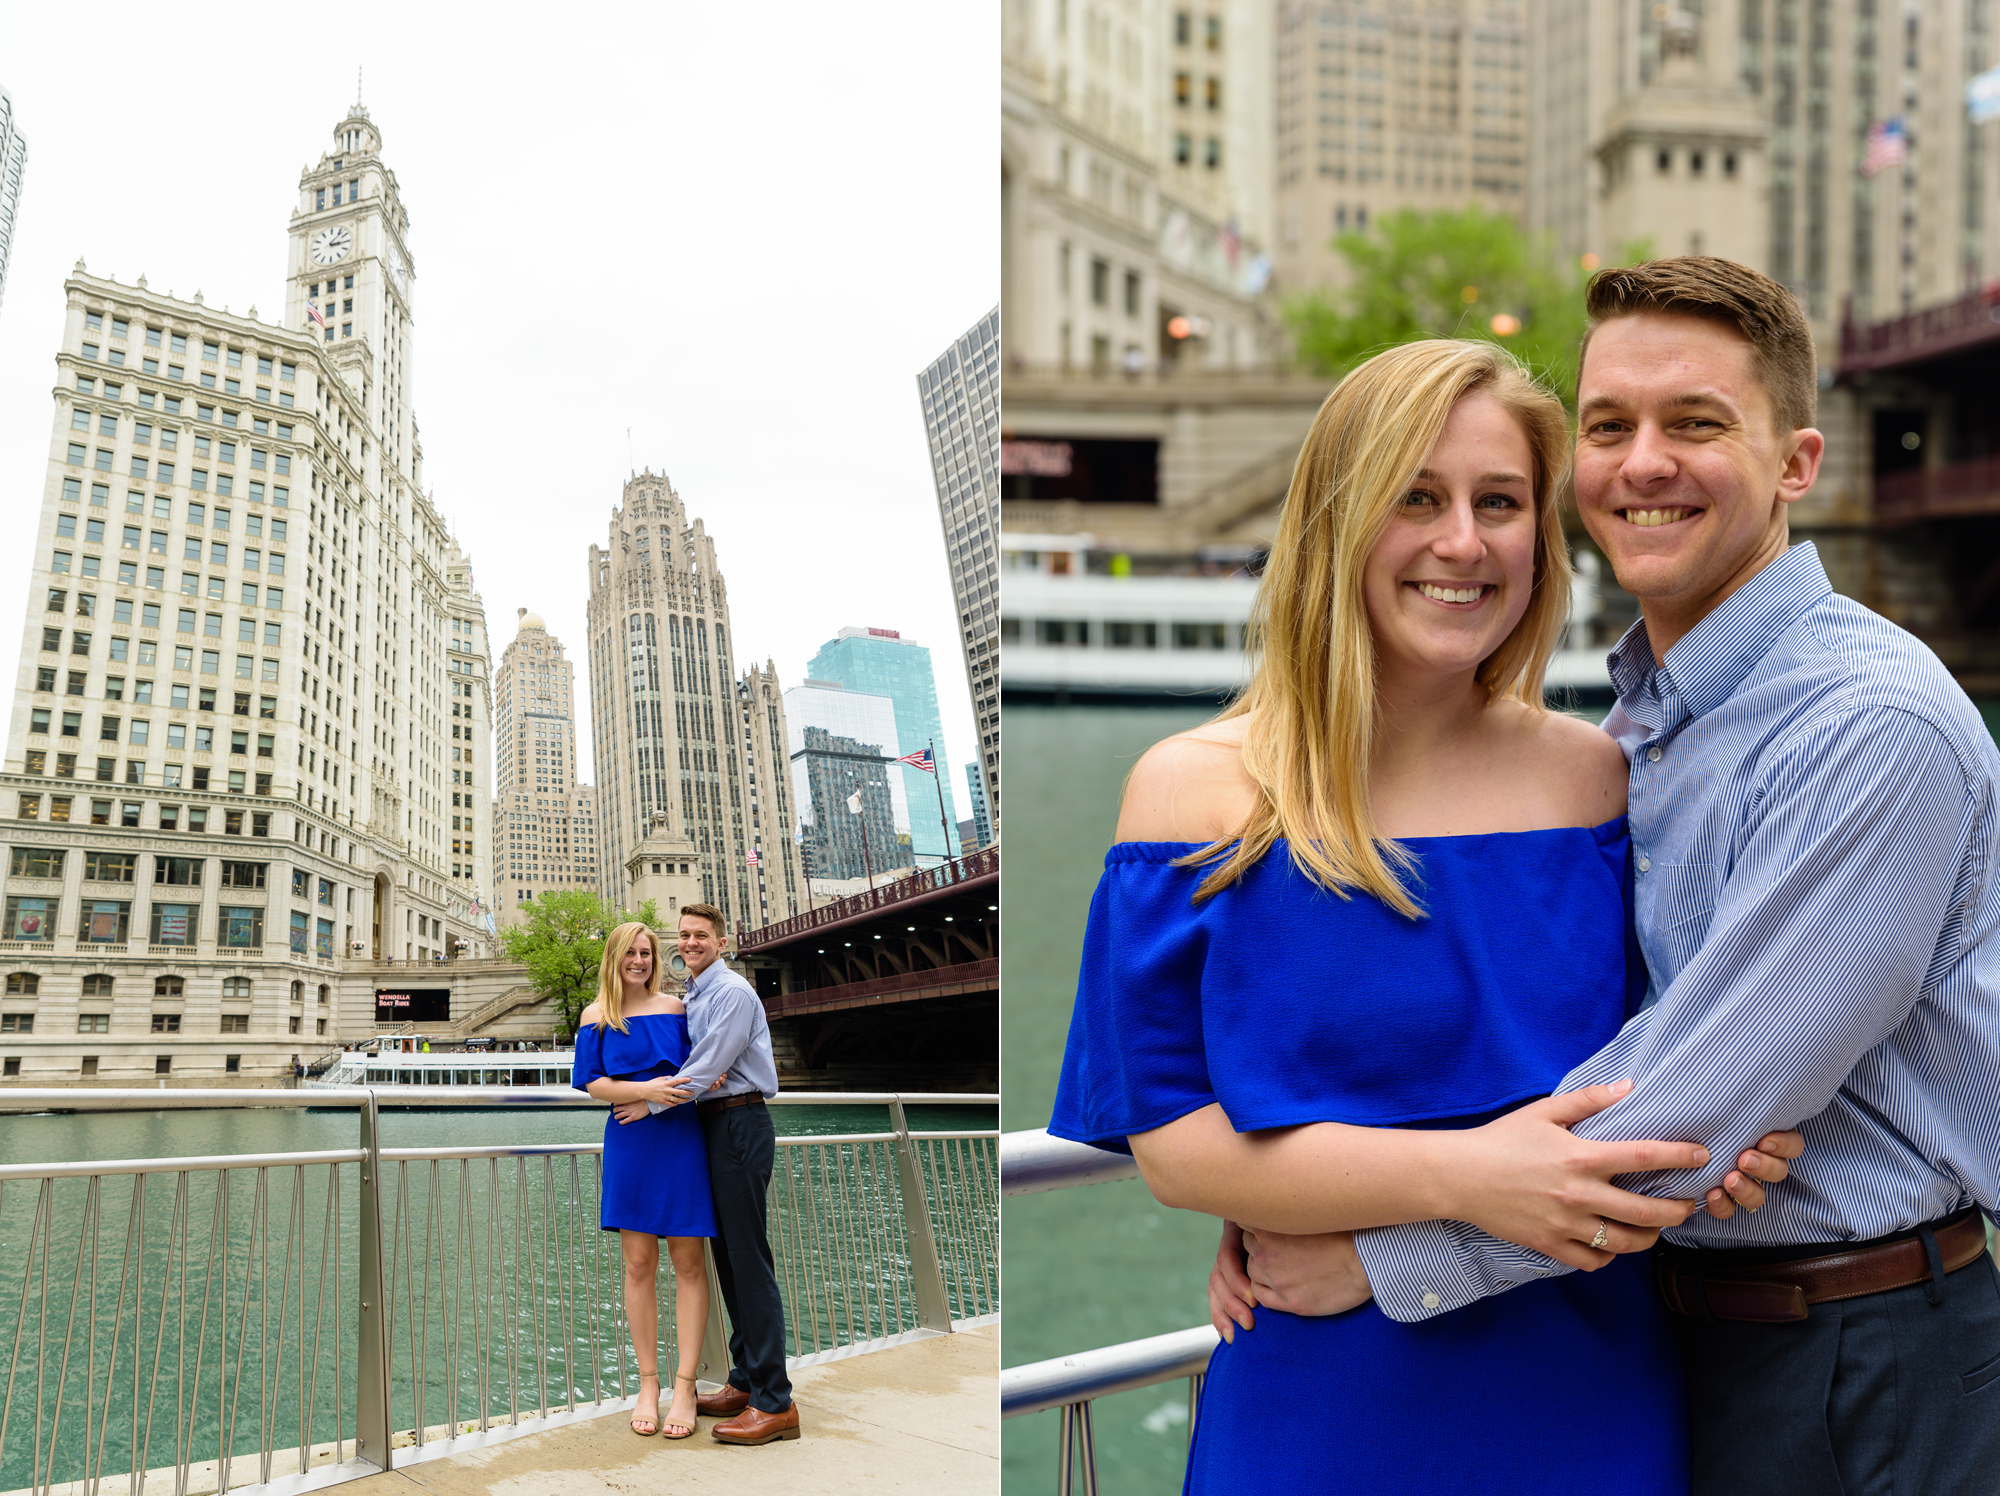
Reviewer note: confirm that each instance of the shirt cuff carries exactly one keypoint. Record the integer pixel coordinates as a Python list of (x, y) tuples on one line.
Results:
[(1428, 1268), (656, 1107)]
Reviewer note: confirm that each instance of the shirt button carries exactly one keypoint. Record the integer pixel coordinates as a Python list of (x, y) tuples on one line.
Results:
[(1653, 753), (1430, 1301), (1645, 864)]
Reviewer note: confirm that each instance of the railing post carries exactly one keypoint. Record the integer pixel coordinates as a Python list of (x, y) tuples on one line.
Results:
[(933, 1307), (714, 1335), (371, 1401)]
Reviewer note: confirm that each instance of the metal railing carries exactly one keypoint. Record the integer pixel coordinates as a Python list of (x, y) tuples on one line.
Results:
[(984, 863), (1031, 1162), (305, 1318)]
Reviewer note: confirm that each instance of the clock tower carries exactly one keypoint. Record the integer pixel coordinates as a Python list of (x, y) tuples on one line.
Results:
[(350, 284)]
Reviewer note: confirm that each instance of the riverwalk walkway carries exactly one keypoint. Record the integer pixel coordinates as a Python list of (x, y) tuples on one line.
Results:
[(918, 1417)]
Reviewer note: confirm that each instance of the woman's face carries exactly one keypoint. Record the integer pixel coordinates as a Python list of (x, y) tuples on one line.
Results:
[(1451, 576), (637, 966)]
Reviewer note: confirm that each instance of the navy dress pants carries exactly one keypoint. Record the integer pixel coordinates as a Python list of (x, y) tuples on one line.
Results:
[(741, 1148), (1885, 1395)]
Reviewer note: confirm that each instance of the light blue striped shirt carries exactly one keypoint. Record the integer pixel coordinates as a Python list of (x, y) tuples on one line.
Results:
[(1812, 815)]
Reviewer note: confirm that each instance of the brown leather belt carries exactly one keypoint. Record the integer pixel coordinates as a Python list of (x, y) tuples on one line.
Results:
[(1774, 1292), (748, 1098)]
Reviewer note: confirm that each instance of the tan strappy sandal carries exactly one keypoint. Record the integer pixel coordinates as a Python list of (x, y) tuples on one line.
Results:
[(674, 1423), (652, 1424)]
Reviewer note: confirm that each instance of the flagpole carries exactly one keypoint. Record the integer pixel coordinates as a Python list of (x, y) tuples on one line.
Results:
[(937, 773)]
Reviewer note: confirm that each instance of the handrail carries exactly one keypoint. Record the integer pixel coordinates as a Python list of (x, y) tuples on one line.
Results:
[(853, 1279), (1032, 1162), (960, 870), (131, 1099), (1064, 1380)]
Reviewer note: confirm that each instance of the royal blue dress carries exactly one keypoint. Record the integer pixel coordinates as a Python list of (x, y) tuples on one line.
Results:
[(655, 1169), (1288, 1004)]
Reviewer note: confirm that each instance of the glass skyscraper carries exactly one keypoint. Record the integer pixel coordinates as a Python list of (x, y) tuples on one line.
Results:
[(884, 663)]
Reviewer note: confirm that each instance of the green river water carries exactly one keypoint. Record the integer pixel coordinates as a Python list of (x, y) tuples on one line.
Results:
[(1088, 1267)]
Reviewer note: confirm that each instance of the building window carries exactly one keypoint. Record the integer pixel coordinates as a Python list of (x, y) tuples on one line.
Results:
[(235, 1023), (92, 1023), (166, 1023)]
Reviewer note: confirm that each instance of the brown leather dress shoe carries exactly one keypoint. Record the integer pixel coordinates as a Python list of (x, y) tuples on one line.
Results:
[(730, 1400), (754, 1426)]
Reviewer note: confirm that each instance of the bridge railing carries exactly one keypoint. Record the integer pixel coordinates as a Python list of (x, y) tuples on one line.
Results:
[(981, 864), (293, 1320), (1031, 1162)]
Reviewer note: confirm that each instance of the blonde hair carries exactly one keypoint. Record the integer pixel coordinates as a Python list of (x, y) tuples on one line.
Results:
[(611, 983), (1312, 699)]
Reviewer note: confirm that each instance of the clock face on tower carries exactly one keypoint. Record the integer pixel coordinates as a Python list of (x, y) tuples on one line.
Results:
[(399, 270), (331, 244)]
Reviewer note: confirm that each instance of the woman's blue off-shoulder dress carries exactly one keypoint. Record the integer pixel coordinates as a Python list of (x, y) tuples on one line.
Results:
[(1288, 1004), (655, 1169)]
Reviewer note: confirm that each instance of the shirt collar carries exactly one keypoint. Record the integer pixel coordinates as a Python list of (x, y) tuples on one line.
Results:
[(1704, 669), (708, 978)]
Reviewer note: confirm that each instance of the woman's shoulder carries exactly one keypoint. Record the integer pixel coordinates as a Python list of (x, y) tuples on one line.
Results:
[(592, 1015), (1190, 787), (1579, 771)]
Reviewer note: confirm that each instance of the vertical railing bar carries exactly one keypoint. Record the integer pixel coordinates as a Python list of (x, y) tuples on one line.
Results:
[(851, 1248), (309, 1381), (454, 1337), (568, 1322), (822, 1253), (83, 1237), (42, 1343), (267, 1389), (1195, 1384), (542, 1287), (1065, 1445), (521, 1268), (90, 1361), (215, 1228), (494, 1267), (133, 1226), (20, 1315), (589, 1289), (420, 1371), (340, 1324), (175, 1237), (374, 1288), (623, 1333), (259, 1228)]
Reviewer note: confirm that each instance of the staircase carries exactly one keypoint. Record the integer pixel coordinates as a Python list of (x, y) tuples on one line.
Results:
[(518, 996)]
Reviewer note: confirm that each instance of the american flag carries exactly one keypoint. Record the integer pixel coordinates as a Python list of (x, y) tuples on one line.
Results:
[(921, 759), (1887, 146), (750, 857), (312, 311)]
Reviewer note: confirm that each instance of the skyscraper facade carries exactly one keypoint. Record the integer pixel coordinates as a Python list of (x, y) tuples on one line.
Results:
[(13, 165), (228, 766), (961, 399), (672, 727), (884, 663), (839, 742), (1383, 106), (1135, 185), (543, 823), (982, 824)]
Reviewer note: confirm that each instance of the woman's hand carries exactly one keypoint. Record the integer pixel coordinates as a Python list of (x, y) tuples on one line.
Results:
[(661, 1089), (631, 1111)]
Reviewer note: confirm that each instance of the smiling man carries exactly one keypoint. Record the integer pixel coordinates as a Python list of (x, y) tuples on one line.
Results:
[(1812, 803)]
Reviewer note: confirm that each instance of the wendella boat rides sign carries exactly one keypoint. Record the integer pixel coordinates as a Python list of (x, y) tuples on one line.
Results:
[(413, 1005)]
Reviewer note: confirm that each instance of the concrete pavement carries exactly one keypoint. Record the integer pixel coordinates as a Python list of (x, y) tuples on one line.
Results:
[(922, 1417)]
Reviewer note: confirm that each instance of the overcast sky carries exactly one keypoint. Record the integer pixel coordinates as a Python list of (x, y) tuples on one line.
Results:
[(739, 230)]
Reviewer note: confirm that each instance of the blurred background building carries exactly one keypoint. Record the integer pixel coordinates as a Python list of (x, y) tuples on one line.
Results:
[(1848, 150), (961, 400), (13, 165), (542, 822)]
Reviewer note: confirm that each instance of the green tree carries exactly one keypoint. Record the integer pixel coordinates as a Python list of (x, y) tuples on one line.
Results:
[(560, 940), (1466, 274)]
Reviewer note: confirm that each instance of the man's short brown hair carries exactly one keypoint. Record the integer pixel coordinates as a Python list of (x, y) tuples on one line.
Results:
[(704, 911), (1720, 290)]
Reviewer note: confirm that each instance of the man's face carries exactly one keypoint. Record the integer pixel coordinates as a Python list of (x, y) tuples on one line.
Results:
[(1680, 477), (699, 945)]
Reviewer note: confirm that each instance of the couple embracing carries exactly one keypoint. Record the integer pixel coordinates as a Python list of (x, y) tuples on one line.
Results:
[(688, 1151), (1397, 971)]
